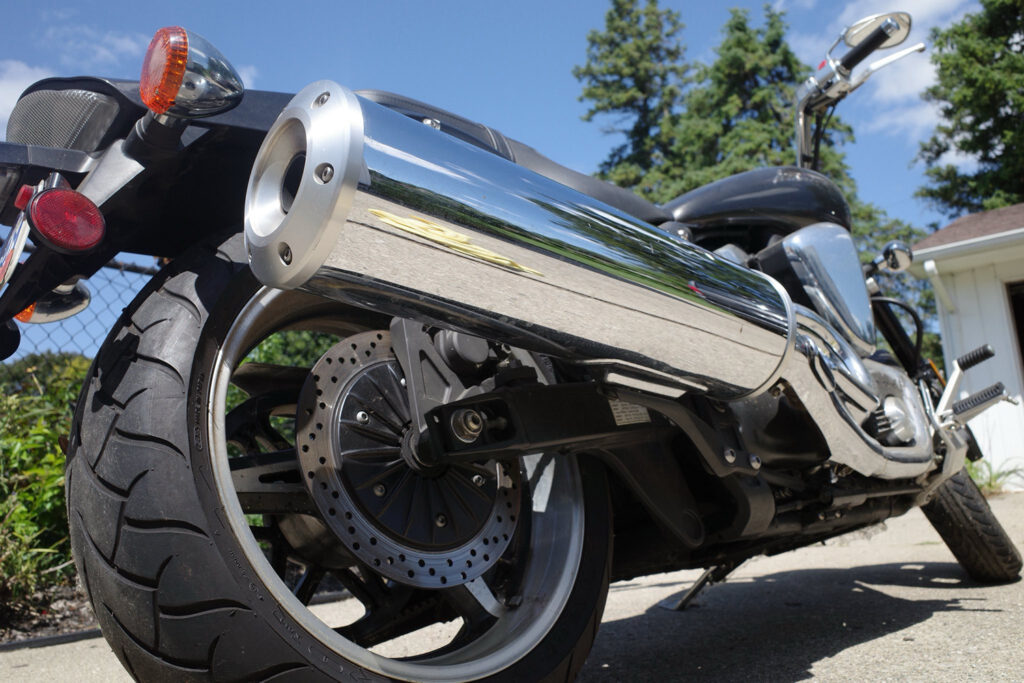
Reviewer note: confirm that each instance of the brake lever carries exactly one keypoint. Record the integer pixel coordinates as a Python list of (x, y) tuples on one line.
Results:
[(882, 63)]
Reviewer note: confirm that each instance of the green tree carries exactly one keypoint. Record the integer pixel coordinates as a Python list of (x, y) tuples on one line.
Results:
[(980, 93), (739, 115), (736, 115), (635, 71)]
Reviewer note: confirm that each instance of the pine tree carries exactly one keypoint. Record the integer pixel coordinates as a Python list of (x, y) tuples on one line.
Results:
[(739, 115), (980, 93), (736, 115), (635, 71)]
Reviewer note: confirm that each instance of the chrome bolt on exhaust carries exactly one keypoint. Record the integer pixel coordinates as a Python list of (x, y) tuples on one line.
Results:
[(324, 173)]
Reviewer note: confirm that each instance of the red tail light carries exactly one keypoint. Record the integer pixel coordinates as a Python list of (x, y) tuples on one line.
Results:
[(66, 220)]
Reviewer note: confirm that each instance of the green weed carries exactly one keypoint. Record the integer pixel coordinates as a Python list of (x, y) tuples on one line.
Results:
[(36, 400)]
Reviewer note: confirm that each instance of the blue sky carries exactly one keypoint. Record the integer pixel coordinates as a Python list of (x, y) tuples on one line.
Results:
[(506, 64)]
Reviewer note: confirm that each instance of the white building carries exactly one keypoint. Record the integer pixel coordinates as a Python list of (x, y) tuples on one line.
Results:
[(976, 268)]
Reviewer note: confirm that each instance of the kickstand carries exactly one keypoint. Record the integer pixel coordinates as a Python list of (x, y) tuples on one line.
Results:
[(711, 575)]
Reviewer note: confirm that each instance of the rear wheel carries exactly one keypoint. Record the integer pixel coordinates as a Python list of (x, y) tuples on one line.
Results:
[(218, 538), (964, 520)]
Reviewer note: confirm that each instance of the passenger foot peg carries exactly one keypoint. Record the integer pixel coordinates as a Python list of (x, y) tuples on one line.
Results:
[(978, 355), (948, 409)]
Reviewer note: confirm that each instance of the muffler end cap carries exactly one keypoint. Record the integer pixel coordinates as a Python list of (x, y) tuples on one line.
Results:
[(302, 184)]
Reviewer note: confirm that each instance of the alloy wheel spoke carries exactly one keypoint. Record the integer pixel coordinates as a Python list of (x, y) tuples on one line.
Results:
[(270, 483), (264, 378), (249, 426), (307, 584)]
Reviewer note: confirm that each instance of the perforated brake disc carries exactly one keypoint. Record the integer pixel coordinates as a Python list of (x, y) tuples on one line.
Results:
[(426, 527)]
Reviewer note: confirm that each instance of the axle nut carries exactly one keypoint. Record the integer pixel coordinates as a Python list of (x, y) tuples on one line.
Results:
[(467, 425)]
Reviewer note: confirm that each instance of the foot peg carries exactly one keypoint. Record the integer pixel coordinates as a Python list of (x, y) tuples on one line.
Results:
[(978, 355), (965, 409)]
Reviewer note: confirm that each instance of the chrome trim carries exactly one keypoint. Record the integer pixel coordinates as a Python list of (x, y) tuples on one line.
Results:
[(896, 24), (12, 248), (289, 237), (442, 231), (896, 257), (63, 302), (832, 396), (849, 372), (14, 245), (824, 259), (210, 84)]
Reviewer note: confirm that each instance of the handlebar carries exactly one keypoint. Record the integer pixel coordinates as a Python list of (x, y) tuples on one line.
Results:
[(875, 40)]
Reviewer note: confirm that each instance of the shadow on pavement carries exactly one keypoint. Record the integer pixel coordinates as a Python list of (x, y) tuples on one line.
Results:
[(775, 627)]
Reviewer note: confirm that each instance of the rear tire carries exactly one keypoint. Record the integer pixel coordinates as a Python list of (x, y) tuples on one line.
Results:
[(964, 520), (180, 584)]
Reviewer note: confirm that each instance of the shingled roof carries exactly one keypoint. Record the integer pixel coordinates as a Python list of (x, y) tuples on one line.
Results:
[(975, 225)]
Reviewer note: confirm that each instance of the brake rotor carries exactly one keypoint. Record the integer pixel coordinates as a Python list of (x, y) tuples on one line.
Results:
[(429, 528)]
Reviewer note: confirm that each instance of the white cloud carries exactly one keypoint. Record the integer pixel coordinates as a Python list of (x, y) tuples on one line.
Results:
[(248, 73), (924, 12), (915, 122), (799, 5), (907, 120), (50, 16), (965, 162), (15, 76), (904, 80), (85, 47)]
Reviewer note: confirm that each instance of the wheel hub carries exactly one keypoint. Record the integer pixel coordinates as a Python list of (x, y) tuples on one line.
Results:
[(429, 527)]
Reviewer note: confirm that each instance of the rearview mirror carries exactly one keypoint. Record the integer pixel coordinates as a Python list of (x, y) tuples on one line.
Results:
[(855, 34)]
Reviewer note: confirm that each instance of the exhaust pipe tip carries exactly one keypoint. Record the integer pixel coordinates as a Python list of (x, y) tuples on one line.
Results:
[(302, 184)]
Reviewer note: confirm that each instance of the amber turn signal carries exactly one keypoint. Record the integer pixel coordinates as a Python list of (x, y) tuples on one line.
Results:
[(163, 69), (26, 315), (184, 76)]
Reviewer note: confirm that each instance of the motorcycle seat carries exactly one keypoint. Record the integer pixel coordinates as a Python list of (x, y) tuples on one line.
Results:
[(493, 141), (774, 200)]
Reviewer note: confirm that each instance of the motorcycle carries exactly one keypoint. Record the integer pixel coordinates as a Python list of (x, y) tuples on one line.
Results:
[(494, 385)]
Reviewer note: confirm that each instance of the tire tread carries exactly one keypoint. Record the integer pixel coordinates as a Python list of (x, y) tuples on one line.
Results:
[(964, 520), (121, 437)]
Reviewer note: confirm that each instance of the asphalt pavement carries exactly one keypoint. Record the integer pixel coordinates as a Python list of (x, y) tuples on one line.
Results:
[(888, 604)]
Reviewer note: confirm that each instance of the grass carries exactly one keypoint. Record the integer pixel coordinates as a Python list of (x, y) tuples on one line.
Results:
[(989, 479)]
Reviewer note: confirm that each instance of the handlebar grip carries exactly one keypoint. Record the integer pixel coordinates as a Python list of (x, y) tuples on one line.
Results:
[(858, 54)]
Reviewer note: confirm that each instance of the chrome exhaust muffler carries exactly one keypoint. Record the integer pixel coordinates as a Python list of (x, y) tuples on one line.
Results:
[(358, 203), (355, 202)]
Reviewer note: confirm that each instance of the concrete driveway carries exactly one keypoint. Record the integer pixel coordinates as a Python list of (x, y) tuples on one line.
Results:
[(894, 606)]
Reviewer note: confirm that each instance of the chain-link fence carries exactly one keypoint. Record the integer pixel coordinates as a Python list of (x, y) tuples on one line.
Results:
[(45, 347)]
